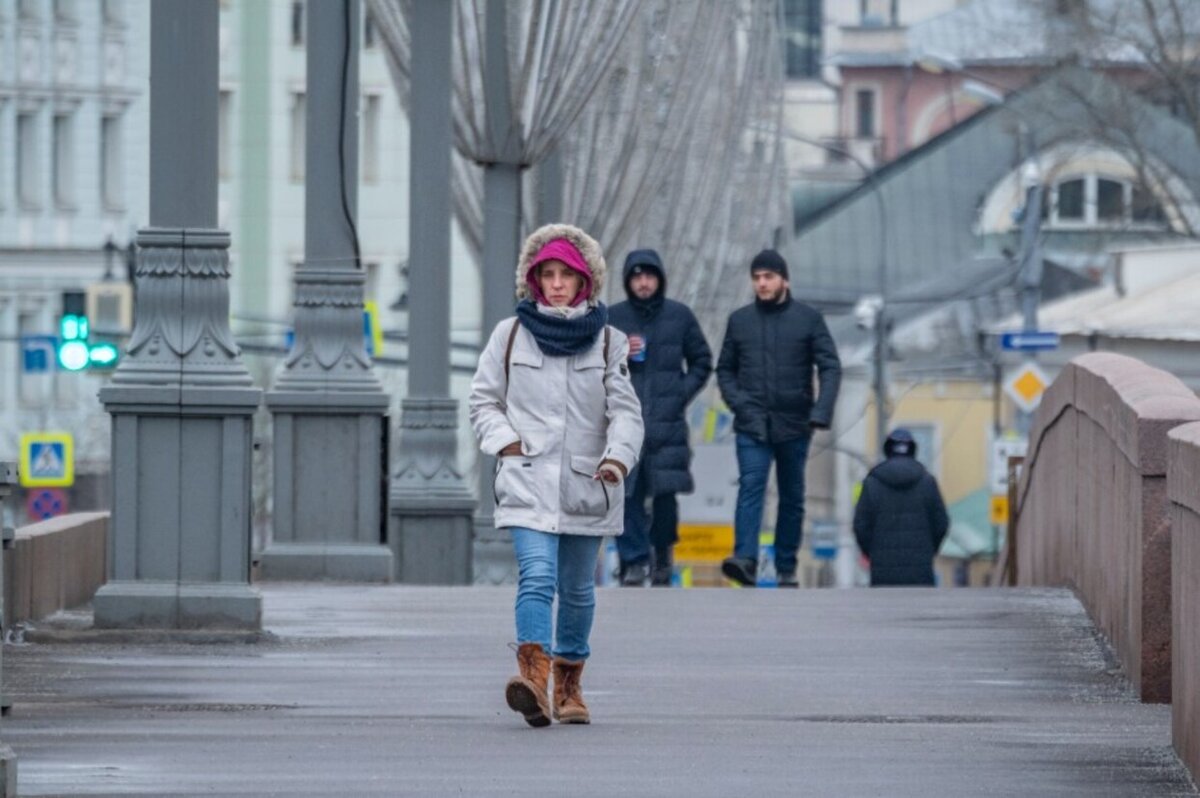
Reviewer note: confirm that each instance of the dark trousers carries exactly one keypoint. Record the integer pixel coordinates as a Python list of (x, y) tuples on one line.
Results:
[(659, 530), (754, 465)]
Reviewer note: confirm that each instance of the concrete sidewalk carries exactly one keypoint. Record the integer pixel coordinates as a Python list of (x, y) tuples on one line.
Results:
[(399, 691)]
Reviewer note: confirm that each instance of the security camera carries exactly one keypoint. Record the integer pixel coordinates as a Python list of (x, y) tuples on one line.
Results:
[(866, 311)]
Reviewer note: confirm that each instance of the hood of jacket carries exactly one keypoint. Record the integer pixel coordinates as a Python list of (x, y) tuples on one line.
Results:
[(900, 472), (587, 246)]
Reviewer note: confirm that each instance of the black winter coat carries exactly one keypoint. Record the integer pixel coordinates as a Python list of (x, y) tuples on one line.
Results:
[(900, 522), (766, 370), (678, 363)]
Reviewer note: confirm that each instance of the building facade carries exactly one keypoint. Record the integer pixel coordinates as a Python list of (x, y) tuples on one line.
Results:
[(73, 177)]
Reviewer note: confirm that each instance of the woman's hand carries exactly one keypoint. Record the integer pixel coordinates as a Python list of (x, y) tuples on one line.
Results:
[(611, 472), (512, 450)]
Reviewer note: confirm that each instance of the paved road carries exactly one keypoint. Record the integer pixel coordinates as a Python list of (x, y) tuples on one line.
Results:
[(399, 691)]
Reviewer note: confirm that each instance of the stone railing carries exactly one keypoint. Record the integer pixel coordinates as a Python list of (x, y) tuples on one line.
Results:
[(53, 565), (1092, 507), (1183, 488)]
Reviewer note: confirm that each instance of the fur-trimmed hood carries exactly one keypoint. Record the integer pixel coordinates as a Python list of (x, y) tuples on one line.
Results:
[(587, 246)]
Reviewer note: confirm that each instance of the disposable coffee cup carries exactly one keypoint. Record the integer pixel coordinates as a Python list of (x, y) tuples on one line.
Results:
[(640, 357)]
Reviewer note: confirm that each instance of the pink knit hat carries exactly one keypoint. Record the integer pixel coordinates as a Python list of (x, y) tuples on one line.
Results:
[(563, 250)]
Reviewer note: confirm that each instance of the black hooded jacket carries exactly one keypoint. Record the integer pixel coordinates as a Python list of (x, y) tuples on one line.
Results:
[(678, 362), (900, 522)]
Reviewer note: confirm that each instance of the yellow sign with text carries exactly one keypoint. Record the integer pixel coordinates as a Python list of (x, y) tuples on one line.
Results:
[(999, 511), (704, 543)]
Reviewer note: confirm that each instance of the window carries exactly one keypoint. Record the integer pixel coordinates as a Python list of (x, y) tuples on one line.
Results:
[(29, 179), (298, 23), (29, 9), (298, 121), (877, 13), (1094, 201), (368, 30), (1110, 200), (1070, 201), (64, 160), (370, 138), (64, 10), (113, 11), (224, 146), (112, 188), (864, 113), (802, 37)]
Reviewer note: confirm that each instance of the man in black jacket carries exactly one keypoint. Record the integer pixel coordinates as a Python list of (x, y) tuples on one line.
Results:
[(766, 377), (669, 362), (900, 521)]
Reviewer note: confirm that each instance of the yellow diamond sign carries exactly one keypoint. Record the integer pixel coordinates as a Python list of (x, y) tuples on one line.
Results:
[(1026, 385)]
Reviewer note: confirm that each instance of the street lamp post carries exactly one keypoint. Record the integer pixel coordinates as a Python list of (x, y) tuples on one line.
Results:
[(877, 308)]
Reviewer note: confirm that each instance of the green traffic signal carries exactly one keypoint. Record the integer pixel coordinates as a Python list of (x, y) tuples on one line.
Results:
[(103, 355), (75, 353)]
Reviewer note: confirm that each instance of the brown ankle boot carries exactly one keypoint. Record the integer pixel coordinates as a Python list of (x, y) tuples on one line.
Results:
[(528, 693), (568, 695)]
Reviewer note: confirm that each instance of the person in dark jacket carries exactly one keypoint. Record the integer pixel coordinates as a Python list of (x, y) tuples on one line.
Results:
[(669, 362), (900, 521), (765, 372)]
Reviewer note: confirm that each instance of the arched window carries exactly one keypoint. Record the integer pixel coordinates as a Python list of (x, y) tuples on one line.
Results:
[(1091, 187), (1095, 200)]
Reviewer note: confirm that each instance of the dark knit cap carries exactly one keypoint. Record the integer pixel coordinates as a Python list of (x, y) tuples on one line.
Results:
[(772, 261)]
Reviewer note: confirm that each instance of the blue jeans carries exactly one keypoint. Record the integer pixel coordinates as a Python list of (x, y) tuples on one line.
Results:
[(754, 463), (562, 564)]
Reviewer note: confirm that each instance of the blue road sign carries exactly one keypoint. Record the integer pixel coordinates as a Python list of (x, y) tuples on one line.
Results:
[(1028, 341), (38, 353)]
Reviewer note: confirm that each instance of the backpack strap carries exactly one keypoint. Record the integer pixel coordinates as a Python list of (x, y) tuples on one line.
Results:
[(512, 337), (607, 338)]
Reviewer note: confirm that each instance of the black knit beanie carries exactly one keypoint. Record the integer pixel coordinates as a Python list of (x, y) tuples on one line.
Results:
[(772, 261)]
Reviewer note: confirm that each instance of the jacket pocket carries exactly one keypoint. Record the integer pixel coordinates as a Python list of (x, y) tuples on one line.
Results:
[(515, 482), (581, 494)]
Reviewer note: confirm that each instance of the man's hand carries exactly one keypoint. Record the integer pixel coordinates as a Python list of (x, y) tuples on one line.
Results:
[(512, 450)]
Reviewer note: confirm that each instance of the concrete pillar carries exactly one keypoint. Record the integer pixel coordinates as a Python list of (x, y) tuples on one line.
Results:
[(431, 506), (181, 400), (8, 760), (328, 405)]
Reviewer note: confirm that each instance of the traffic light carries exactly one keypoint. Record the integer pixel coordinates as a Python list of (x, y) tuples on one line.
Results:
[(73, 350), (76, 350)]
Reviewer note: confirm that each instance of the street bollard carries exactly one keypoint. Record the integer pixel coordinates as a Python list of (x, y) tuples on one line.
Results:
[(8, 760)]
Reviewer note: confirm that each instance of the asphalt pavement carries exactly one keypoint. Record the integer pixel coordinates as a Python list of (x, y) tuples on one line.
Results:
[(387, 690)]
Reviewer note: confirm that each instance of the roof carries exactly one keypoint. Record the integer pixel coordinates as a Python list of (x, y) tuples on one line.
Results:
[(930, 197), (1169, 311)]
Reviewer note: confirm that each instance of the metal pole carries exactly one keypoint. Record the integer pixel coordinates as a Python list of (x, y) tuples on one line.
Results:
[(1031, 254), (431, 517), (8, 759), (327, 406)]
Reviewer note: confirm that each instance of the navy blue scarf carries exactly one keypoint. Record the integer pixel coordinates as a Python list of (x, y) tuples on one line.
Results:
[(558, 337)]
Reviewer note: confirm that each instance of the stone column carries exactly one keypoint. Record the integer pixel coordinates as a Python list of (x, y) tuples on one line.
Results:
[(327, 404), (181, 400), (432, 507)]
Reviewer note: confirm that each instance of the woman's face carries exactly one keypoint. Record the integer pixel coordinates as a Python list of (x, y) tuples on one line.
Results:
[(560, 283)]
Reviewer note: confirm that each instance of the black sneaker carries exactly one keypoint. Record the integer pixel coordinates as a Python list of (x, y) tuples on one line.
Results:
[(741, 570), (788, 579), (636, 574)]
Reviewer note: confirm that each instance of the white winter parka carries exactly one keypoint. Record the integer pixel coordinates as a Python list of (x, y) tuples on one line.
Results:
[(569, 413)]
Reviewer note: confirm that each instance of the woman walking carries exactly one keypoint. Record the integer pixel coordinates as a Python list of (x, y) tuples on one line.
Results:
[(553, 401)]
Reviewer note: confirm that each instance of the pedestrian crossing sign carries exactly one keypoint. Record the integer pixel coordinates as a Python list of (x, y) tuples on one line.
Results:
[(47, 460)]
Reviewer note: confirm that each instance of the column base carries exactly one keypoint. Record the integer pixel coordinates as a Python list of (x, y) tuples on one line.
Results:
[(177, 605), (432, 546), (339, 562)]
